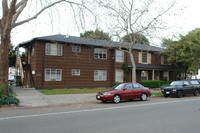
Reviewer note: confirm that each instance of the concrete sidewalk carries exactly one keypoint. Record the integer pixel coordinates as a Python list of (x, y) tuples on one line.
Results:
[(29, 97)]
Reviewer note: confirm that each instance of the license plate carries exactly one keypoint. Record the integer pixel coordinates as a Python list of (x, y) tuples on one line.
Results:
[(167, 92)]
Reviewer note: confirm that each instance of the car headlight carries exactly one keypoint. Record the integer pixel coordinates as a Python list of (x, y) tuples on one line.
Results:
[(174, 90), (106, 93)]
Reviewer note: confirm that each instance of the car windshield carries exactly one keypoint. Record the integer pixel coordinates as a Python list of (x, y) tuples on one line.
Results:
[(176, 83), (118, 87)]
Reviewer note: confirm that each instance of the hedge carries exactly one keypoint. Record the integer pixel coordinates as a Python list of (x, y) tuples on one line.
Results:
[(155, 83)]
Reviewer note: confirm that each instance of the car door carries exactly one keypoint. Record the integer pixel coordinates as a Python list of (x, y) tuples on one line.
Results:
[(187, 87), (136, 90), (127, 91)]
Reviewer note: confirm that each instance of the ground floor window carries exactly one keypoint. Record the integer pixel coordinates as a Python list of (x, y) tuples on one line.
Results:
[(144, 75), (76, 72), (100, 75), (52, 74), (119, 75), (165, 75)]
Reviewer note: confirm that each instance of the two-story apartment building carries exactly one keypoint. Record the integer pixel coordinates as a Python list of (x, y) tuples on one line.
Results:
[(60, 61)]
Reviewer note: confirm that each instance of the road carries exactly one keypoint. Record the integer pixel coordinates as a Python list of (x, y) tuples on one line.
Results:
[(170, 115)]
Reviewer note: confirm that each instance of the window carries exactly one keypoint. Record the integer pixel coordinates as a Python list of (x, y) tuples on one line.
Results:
[(119, 76), (165, 75), (100, 53), (32, 51), (144, 75), (53, 49), (186, 83), (194, 82), (129, 86), (100, 75), (164, 60), (119, 56), (76, 49), (53, 74), (136, 86), (75, 72), (144, 58)]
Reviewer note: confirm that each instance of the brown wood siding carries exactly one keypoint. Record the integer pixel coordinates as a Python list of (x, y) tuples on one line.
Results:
[(86, 62), (69, 60)]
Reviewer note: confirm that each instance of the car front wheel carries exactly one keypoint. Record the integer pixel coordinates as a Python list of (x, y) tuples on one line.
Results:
[(196, 92), (143, 97), (179, 94), (116, 99)]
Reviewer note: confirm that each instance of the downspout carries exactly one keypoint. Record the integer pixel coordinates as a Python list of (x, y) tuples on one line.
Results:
[(43, 65), (17, 54)]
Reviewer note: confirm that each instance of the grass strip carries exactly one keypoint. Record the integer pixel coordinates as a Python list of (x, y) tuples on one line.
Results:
[(71, 91)]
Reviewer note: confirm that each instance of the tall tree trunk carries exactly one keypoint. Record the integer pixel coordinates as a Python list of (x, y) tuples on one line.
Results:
[(134, 67), (4, 61)]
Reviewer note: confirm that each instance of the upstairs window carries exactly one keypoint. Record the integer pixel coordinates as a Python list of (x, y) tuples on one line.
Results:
[(100, 53), (32, 50), (144, 58), (164, 60), (119, 56), (53, 49), (76, 49)]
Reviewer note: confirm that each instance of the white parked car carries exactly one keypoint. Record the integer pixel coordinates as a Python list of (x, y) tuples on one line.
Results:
[(11, 78)]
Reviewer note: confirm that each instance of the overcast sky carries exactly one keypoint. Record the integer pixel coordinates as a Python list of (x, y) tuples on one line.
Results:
[(187, 19)]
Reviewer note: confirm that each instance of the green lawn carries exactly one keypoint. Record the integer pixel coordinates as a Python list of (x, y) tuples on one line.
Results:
[(71, 91), (157, 94), (79, 91)]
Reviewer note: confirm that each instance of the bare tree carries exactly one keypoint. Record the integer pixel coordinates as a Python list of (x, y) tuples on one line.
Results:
[(127, 17), (12, 10)]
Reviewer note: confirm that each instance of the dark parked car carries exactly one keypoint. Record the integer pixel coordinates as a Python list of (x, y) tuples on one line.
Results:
[(124, 91), (195, 83), (180, 88)]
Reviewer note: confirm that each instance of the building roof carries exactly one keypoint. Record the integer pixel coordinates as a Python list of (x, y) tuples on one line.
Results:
[(89, 41)]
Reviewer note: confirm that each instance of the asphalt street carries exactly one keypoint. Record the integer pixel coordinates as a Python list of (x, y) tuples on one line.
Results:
[(170, 115)]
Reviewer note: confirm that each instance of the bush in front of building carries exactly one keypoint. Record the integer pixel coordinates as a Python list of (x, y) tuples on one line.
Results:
[(9, 99), (155, 83)]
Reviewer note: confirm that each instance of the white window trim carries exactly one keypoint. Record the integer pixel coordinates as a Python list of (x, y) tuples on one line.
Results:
[(51, 53), (58, 78), (97, 49), (75, 48), (103, 77), (118, 58), (148, 58), (76, 72), (117, 76)]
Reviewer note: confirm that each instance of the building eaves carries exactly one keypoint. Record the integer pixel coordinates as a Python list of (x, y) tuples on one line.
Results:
[(91, 42)]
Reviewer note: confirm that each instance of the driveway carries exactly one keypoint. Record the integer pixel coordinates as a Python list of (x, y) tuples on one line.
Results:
[(33, 98)]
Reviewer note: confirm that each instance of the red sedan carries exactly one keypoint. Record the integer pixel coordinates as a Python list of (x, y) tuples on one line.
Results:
[(124, 91)]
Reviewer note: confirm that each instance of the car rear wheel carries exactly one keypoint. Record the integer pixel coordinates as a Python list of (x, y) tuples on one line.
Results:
[(116, 99), (143, 97), (196, 92), (179, 94)]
